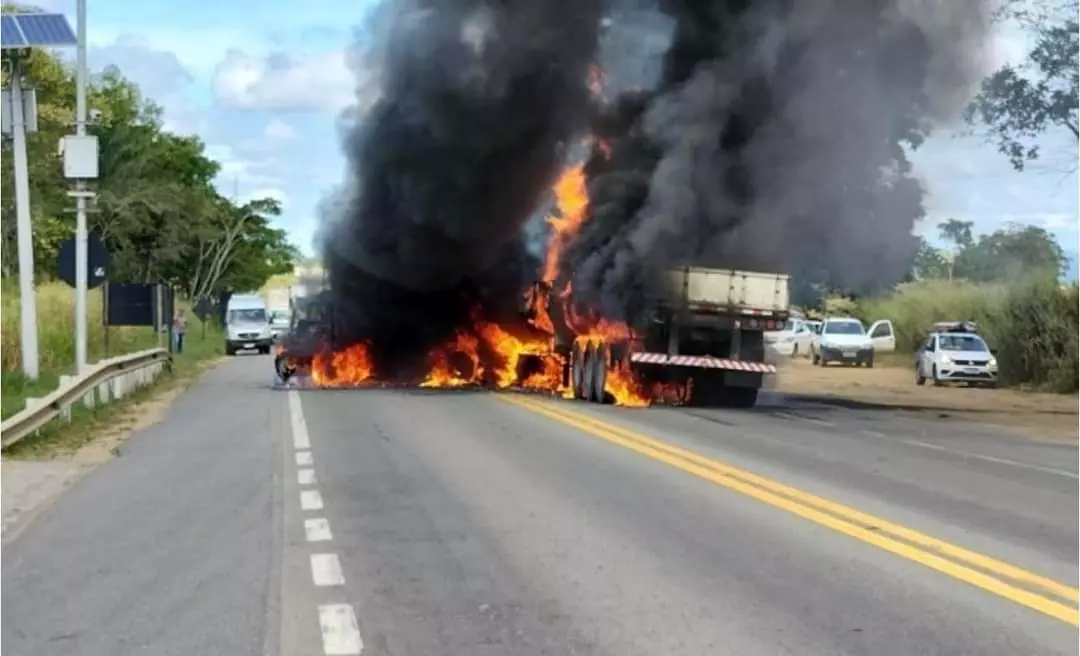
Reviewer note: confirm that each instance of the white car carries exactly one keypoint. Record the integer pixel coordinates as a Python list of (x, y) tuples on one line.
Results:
[(956, 357), (793, 339), (844, 339)]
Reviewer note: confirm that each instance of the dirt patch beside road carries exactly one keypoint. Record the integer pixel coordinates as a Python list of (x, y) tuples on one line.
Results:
[(1040, 415)]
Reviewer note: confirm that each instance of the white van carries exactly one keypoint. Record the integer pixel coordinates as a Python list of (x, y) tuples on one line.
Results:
[(247, 325)]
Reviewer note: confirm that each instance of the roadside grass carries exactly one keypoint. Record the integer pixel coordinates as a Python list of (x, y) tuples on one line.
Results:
[(1032, 325), (56, 343)]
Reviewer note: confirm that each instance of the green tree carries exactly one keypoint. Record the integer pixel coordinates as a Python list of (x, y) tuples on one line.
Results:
[(1017, 103), (958, 232), (156, 208), (1014, 252), (928, 263)]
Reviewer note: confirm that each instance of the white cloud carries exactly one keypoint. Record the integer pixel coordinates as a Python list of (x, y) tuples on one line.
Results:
[(237, 171), (280, 82), (199, 55), (267, 192), (279, 130)]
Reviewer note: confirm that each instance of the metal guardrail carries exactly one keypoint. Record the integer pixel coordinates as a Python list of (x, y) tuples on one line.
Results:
[(101, 383)]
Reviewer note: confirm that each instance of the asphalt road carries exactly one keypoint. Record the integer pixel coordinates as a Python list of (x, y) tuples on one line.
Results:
[(255, 521)]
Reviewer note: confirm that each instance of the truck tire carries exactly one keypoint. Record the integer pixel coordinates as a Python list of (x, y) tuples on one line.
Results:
[(588, 373), (743, 397), (708, 390), (599, 374), (577, 371)]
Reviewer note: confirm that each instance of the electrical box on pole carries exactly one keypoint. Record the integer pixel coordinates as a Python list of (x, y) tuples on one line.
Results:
[(80, 156)]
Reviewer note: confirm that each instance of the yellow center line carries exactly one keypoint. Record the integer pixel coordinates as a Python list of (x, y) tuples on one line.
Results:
[(880, 524), (874, 531)]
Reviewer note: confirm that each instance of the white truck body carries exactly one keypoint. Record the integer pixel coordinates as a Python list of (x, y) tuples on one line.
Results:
[(728, 290)]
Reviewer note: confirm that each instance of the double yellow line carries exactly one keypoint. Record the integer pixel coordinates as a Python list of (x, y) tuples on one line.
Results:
[(1008, 581)]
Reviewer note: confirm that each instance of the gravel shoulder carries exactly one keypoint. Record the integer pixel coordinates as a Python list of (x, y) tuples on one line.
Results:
[(1052, 416)]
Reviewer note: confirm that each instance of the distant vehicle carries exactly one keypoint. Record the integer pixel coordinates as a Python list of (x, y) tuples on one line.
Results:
[(954, 352), (845, 340), (793, 339), (247, 325), (280, 322)]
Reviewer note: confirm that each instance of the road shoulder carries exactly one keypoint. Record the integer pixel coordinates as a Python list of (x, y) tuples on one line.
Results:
[(29, 485)]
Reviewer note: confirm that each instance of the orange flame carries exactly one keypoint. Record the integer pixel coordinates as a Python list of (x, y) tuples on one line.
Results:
[(348, 367), (572, 200), (444, 373)]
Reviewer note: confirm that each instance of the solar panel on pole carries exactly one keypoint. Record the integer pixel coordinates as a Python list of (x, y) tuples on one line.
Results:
[(45, 30), (10, 35)]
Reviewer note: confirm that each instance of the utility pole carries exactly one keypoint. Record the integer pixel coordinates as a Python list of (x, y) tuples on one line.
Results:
[(25, 237), (80, 192)]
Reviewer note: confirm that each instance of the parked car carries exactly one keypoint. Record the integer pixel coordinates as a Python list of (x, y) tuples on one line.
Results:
[(845, 340), (955, 352), (793, 339)]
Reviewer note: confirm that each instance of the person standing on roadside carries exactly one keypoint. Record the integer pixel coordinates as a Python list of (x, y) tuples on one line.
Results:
[(180, 329)]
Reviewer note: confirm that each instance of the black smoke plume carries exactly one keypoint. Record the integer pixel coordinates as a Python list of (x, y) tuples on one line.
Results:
[(473, 103), (772, 137)]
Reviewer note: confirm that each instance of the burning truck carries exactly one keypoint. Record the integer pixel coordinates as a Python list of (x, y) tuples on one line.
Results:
[(703, 344)]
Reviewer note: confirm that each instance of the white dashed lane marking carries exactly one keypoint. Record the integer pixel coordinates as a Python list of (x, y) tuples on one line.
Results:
[(340, 630), (305, 476), (337, 622), (299, 426), (326, 570), (317, 530), (310, 500)]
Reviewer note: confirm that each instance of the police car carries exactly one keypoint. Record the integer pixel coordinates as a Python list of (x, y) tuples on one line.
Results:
[(954, 352)]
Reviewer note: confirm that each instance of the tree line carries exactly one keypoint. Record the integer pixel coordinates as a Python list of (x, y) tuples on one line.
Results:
[(1004, 255), (157, 209)]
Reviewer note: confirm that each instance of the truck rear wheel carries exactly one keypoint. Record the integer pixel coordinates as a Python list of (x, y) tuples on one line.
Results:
[(577, 371), (598, 367), (708, 389), (743, 397)]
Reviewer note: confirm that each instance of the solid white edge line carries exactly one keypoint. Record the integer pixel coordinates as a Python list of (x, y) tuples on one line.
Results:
[(986, 458), (326, 570), (304, 459), (305, 476), (317, 529), (299, 426), (340, 630), (310, 500)]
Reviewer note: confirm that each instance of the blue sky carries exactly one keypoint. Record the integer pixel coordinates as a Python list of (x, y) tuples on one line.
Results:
[(264, 82)]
